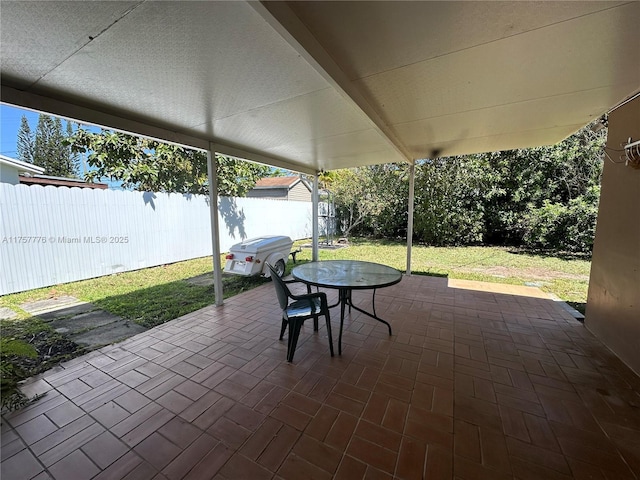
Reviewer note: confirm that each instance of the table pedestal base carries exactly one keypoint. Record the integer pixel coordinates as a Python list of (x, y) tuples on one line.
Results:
[(344, 299)]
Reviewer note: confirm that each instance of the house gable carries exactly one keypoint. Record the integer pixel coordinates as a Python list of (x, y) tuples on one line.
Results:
[(10, 169), (291, 188)]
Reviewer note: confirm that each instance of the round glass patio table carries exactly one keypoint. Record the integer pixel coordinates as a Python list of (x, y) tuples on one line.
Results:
[(346, 276)]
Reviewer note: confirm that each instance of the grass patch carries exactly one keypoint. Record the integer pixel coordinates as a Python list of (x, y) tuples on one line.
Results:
[(148, 297), (100, 289), (157, 304), (154, 295), (566, 277)]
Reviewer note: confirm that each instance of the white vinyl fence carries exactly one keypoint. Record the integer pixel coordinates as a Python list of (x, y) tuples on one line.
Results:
[(51, 235)]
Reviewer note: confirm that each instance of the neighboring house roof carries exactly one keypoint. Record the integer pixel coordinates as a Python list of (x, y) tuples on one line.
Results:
[(22, 167), (59, 182), (280, 182), (282, 188)]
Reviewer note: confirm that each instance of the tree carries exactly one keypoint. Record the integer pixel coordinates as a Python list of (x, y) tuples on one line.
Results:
[(148, 165), (449, 201), (236, 177), (26, 141), (50, 149), (528, 188), (543, 198), (391, 181), (367, 197), (326, 179), (74, 158)]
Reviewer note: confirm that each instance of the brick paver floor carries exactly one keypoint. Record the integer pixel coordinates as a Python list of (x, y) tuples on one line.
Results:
[(478, 382)]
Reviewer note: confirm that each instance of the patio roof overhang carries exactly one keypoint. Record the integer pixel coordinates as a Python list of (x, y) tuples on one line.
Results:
[(315, 86)]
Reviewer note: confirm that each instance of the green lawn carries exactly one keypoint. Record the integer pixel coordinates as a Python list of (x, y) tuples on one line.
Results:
[(149, 297), (566, 278), (155, 295)]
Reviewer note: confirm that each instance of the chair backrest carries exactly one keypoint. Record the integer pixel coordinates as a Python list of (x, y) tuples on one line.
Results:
[(281, 288)]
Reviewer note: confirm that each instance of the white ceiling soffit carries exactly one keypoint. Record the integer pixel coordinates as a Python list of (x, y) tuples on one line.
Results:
[(325, 85)]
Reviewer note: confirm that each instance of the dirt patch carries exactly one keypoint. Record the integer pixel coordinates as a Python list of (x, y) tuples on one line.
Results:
[(29, 347), (51, 348), (542, 274)]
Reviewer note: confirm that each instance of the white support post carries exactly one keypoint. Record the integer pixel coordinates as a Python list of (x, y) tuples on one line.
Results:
[(212, 173), (314, 216), (412, 177)]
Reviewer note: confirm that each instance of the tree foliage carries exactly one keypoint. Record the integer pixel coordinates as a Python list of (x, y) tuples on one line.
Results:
[(566, 227), (544, 197), (449, 202), (521, 182), (528, 185), (26, 140), (47, 147), (148, 165), (369, 198), (355, 198)]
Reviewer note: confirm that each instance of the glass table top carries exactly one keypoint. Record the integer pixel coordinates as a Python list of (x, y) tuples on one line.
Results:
[(352, 274)]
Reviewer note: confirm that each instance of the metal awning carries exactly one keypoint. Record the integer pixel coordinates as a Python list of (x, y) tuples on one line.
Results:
[(323, 85)]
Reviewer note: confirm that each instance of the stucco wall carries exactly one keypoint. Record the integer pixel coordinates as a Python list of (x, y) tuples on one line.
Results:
[(613, 305)]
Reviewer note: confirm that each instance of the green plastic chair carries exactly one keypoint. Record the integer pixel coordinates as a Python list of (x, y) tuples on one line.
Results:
[(302, 307)]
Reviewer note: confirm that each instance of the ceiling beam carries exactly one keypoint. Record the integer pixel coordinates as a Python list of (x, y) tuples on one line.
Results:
[(244, 154), (97, 118), (280, 17)]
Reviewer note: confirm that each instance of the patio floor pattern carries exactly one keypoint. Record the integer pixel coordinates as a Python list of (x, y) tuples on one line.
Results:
[(478, 381)]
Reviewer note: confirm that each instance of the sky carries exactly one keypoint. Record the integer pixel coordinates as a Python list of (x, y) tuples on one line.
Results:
[(9, 126), (10, 118)]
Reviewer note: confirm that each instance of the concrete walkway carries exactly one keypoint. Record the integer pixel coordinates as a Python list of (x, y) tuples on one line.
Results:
[(82, 322)]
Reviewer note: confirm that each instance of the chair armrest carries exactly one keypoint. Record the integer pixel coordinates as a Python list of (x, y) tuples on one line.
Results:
[(321, 295), (293, 280)]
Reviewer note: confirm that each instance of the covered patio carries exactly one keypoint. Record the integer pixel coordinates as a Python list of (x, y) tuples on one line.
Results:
[(315, 86), (475, 382), (478, 381)]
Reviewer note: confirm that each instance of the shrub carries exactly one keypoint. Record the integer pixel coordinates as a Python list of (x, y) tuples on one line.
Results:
[(569, 228), (12, 349), (28, 347), (449, 206)]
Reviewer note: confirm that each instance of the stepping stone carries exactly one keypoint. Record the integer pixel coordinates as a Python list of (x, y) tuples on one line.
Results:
[(114, 332), (42, 306), (204, 280), (84, 321), (67, 312), (7, 313)]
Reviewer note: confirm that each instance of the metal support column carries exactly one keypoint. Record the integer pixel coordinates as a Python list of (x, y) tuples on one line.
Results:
[(412, 177), (314, 206), (212, 173)]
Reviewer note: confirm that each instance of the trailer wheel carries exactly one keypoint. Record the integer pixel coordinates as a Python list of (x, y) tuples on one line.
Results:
[(279, 267)]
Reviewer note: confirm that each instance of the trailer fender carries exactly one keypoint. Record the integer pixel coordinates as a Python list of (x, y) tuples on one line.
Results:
[(277, 261)]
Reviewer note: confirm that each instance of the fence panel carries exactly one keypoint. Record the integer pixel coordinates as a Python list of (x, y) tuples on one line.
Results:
[(51, 235)]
